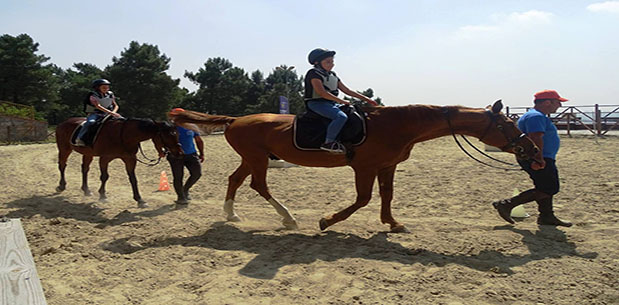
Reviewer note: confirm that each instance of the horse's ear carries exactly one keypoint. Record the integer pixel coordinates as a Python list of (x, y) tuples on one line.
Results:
[(496, 108)]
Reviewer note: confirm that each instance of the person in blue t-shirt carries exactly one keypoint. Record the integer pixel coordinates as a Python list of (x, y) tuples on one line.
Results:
[(537, 126), (191, 159)]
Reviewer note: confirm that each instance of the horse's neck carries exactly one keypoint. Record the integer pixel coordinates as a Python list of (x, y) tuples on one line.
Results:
[(425, 122), (132, 134)]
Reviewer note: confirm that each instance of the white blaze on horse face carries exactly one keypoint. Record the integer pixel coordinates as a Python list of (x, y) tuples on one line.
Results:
[(289, 221), (229, 209)]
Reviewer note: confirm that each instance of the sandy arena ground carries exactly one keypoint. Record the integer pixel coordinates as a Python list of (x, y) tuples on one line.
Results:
[(458, 252)]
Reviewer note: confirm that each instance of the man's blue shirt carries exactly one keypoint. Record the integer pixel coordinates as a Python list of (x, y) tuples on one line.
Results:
[(536, 121), (185, 137)]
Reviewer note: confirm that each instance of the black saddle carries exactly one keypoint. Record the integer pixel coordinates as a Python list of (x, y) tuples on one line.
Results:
[(310, 128), (91, 134)]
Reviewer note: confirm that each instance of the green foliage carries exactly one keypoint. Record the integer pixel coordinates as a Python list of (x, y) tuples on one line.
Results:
[(21, 112), (282, 81), (369, 93), (24, 78), (140, 83)]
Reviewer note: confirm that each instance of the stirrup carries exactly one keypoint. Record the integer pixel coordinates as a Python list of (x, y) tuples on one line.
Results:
[(334, 147)]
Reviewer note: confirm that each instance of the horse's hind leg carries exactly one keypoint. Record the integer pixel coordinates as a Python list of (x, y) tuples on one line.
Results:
[(364, 180), (86, 160), (63, 156), (234, 182), (258, 183), (385, 185)]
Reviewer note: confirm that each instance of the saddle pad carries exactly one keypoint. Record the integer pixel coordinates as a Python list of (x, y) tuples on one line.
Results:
[(310, 129)]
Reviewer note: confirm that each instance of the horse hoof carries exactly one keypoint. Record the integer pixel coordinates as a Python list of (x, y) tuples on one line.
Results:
[(400, 229), (103, 199), (234, 218), (87, 193), (290, 224), (142, 204), (323, 224), (59, 188)]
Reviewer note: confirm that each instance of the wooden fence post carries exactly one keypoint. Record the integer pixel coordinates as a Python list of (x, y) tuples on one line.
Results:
[(598, 119)]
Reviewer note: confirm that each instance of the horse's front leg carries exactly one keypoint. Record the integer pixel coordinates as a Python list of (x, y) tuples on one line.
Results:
[(385, 186), (130, 163), (86, 160), (103, 164), (364, 180)]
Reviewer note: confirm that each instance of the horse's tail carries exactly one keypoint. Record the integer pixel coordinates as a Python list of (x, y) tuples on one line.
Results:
[(208, 121)]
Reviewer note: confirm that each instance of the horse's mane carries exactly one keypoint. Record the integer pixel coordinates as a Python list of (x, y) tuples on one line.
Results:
[(417, 112)]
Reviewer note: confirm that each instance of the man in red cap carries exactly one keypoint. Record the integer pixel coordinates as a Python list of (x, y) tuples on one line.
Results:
[(191, 160), (536, 124)]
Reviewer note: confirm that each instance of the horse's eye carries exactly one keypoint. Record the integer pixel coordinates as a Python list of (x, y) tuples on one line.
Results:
[(500, 127)]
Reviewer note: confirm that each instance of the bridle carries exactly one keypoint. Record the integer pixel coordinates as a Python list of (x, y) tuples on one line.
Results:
[(151, 162), (512, 143)]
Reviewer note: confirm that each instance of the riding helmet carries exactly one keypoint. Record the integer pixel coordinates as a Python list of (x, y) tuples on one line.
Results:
[(98, 82), (316, 55)]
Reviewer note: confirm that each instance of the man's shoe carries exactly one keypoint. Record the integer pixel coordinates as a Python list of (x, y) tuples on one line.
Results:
[(504, 207), (182, 201), (187, 196), (79, 142), (334, 147), (552, 220)]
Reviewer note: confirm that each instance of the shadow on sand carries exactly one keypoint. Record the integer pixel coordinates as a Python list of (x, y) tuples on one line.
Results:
[(275, 251), (54, 206)]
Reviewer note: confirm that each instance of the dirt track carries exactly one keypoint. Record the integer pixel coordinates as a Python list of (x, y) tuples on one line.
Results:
[(458, 252)]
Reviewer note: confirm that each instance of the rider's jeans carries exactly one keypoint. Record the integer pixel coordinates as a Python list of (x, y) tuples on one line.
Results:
[(91, 119), (330, 110)]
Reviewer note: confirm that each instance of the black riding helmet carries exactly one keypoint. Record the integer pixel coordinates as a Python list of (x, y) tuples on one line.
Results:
[(316, 55), (98, 82)]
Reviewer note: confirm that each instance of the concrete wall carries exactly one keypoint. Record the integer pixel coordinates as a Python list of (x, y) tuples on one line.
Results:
[(14, 129)]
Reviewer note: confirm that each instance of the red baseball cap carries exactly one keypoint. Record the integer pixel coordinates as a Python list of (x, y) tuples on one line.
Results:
[(549, 95)]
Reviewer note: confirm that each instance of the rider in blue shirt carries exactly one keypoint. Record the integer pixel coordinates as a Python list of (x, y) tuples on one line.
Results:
[(536, 124), (191, 159)]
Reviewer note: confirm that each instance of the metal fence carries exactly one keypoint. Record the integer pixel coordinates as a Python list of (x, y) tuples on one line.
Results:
[(597, 119)]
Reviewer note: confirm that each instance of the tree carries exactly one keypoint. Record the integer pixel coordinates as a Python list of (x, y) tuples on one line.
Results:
[(24, 77), (223, 88), (369, 93), (140, 82), (283, 81)]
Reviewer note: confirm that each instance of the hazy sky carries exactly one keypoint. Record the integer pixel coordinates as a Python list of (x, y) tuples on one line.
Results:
[(433, 52)]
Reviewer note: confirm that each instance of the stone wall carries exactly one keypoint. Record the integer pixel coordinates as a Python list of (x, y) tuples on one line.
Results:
[(13, 129)]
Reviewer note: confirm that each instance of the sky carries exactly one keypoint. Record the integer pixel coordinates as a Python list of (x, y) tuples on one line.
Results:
[(442, 52)]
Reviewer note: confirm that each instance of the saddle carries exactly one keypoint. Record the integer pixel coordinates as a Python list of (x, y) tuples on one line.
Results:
[(91, 134), (310, 129)]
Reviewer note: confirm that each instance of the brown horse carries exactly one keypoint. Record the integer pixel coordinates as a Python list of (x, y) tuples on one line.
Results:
[(392, 132), (116, 139)]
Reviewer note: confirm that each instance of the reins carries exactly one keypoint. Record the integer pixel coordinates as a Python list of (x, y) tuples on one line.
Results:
[(446, 112), (151, 162)]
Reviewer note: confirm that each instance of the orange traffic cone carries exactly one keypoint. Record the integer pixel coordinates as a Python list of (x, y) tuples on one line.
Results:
[(163, 182)]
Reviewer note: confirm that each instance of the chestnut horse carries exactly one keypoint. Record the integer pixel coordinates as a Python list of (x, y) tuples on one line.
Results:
[(392, 133), (116, 139)]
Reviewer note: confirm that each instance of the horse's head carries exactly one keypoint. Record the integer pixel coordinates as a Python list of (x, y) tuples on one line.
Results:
[(501, 132), (167, 138)]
